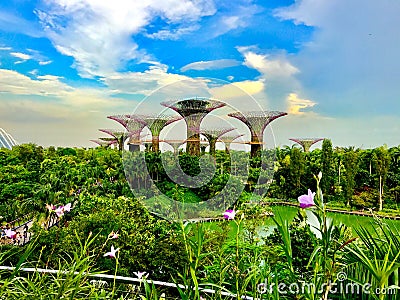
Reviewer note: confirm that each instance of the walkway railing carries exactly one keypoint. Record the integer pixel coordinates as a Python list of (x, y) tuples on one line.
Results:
[(19, 221), (22, 229), (100, 279), (346, 212)]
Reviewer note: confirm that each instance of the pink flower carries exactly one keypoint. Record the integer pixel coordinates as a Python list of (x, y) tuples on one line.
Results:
[(140, 274), (307, 200), (113, 235), (50, 207), (10, 233), (67, 207), (112, 252), (229, 214), (59, 211)]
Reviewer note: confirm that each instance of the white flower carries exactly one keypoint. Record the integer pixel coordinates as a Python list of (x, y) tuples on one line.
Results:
[(140, 274), (112, 253)]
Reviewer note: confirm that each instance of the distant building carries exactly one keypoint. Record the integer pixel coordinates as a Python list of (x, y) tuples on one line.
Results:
[(6, 140)]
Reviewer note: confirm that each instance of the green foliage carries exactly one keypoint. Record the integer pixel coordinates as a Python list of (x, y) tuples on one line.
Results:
[(142, 238), (228, 257), (71, 282), (381, 159), (363, 200), (327, 169), (351, 163), (297, 243)]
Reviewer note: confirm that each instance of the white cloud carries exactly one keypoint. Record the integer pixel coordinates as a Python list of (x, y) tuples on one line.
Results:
[(277, 73), (297, 105), (143, 83), (98, 34), (351, 64), (20, 55), (308, 12), (34, 55), (48, 112), (238, 89), (172, 34), (211, 65), (43, 63), (19, 84), (51, 87), (239, 17), (275, 67)]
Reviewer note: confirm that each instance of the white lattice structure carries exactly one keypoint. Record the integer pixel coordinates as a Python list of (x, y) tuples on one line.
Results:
[(6, 140)]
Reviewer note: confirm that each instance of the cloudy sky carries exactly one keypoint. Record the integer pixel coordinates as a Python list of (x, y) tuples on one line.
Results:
[(332, 65)]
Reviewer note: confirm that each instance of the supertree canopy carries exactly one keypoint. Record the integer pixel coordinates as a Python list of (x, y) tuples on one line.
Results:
[(306, 143), (213, 135), (103, 143), (227, 139), (155, 124), (257, 121), (118, 135), (193, 110), (121, 119), (133, 126), (110, 140)]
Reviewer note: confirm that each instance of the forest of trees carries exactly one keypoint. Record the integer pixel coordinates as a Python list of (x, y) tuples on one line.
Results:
[(31, 176), (231, 255)]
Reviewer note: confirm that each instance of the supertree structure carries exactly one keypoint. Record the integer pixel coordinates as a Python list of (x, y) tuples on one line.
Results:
[(6, 140), (306, 143), (121, 119), (175, 144), (133, 126), (193, 110), (203, 144), (155, 124), (110, 140), (227, 139), (147, 145), (102, 143), (213, 135), (257, 121), (119, 136)]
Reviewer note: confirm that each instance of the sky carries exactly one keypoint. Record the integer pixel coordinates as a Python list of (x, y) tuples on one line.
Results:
[(332, 65)]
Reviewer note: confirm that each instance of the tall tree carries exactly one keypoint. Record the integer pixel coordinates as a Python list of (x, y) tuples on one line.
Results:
[(381, 159), (296, 170), (328, 172), (351, 163)]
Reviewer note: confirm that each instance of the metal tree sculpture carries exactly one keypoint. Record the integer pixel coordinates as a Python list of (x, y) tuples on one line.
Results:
[(193, 110), (118, 135), (110, 140), (155, 124), (133, 127), (103, 143), (306, 143), (228, 139), (213, 135), (257, 121), (175, 144), (6, 140)]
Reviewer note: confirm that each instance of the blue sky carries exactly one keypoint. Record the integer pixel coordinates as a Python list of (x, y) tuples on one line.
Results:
[(332, 65)]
